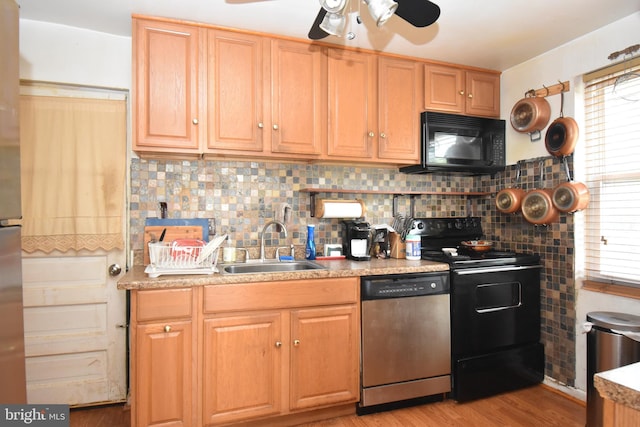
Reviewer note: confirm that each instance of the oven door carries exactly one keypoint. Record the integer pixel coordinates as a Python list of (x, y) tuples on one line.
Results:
[(494, 308)]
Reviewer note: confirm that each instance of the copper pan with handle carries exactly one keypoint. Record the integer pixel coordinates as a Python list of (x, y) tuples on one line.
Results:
[(570, 196), (562, 134), (509, 200)]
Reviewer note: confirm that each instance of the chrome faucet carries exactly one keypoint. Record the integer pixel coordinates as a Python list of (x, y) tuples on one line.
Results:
[(264, 229)]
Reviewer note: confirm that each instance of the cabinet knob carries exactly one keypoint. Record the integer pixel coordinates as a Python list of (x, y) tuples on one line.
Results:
[(260, 125), (461, 92), (278, 344), (296, 343), (371, 134), (275, 127), (167, 328), (195, 121), (470, 95), (383, 135)]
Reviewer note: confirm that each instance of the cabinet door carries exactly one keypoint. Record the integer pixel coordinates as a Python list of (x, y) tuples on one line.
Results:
[(165, 87), (444, 88), (242, 367), (298, 85), (324, 356), (163, 369), (352, 104), (483, 94), (236, 105), (399, 109)]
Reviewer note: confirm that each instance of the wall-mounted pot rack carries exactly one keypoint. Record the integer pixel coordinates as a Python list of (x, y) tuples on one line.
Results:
[(412, 195), (551, 90)]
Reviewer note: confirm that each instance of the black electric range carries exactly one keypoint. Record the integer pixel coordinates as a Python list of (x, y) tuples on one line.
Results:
[(494, 309), (438, 233)]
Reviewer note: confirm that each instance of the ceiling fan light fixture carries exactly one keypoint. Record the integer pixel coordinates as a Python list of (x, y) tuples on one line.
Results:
[(333, 6), (334, 23), (381, 10)]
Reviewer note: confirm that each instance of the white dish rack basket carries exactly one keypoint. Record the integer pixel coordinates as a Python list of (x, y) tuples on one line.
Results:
[(167, 258)]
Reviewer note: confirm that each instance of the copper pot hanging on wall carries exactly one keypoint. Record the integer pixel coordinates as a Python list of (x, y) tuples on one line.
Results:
[(570, 196), (538, 208), (530, 115), (562, 134), (509, 200)]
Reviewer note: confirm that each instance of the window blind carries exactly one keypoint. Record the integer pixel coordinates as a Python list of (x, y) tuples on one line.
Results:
[(612, 139)]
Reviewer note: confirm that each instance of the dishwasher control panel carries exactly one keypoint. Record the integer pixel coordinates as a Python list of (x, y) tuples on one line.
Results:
[(404, 285)]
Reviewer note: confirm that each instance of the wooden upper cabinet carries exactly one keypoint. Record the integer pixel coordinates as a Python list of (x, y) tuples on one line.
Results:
[(352, 103), (456, 90), (264, 96), (235, 95), (483, 94), (399, 94), (298, 103), (374, 108), (166, 90)]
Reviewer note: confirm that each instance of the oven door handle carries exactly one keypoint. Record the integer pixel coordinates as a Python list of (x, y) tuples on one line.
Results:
[(499, 269)]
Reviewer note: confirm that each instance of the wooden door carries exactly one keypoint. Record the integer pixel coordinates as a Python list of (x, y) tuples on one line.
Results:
[(75, 334), (238, 120), (298, 86), (164, 386), (324, 356), (352, 102), (399, 83), (444, 88), (483, 94), (166, 87), (242, 367)]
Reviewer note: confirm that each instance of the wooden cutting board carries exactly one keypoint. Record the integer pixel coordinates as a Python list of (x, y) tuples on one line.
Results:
[(173, 232)]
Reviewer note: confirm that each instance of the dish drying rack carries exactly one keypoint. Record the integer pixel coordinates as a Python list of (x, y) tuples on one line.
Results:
[(168, 258)]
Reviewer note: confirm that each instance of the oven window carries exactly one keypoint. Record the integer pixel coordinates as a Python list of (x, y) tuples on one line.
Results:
[(497, 296)]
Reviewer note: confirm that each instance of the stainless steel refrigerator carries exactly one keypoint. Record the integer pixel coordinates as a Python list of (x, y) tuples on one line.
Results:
[(13, 387)]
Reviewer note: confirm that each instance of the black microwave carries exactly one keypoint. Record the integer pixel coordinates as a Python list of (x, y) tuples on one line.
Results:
[(457, 143)]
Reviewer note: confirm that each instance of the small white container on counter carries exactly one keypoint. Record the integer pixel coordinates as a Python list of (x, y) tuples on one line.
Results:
[(413, 245)]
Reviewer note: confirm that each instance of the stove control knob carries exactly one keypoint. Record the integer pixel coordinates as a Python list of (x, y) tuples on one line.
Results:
[(420, 225)]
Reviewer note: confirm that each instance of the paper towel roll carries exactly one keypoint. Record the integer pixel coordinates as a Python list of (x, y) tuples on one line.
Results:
[(340, 208)]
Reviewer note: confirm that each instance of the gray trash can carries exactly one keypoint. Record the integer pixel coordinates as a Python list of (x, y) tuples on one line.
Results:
[(612, 342)]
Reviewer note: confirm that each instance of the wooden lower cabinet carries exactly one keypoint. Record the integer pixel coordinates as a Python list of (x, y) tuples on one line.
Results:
[(162, 357), (242, 367), (164, 374), (223, 354), (324, 348)]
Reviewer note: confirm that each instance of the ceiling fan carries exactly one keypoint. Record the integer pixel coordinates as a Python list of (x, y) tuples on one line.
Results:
[(331, 19)]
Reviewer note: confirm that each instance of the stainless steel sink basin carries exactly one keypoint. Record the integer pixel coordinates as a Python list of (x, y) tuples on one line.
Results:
[(271, 267)]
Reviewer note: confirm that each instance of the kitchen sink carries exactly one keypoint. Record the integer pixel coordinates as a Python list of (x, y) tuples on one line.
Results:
[(271, 267)]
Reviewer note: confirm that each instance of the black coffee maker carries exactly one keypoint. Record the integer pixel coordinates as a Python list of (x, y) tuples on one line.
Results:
[(356, 241)]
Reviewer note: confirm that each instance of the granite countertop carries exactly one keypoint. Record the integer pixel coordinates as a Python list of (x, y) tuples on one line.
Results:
[(621, 385), (137, 279)]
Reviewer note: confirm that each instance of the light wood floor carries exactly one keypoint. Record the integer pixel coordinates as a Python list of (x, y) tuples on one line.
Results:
[(537, 406)]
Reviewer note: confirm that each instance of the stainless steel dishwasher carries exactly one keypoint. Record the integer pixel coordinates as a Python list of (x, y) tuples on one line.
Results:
[(406, 337)]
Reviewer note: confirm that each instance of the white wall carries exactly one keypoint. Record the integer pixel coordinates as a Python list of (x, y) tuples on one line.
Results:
[(61, 54), (569, 62)]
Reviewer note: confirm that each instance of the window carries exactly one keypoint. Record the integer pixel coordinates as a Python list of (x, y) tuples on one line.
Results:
[(612, 137)]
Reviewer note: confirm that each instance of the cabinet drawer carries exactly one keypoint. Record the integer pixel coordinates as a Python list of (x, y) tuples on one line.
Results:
[(285, 294), (162, 304)]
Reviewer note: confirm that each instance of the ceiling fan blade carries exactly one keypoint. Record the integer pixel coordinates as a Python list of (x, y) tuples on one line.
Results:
[(317, 33), (419, 13)]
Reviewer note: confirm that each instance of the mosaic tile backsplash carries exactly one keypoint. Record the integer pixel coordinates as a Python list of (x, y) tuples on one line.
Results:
[(244, 196)]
